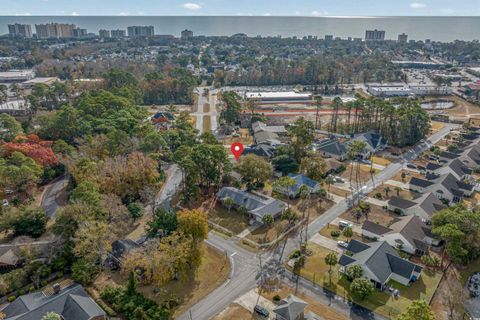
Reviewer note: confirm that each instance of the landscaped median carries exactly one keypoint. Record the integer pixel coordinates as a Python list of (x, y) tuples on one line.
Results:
[(317, 271)]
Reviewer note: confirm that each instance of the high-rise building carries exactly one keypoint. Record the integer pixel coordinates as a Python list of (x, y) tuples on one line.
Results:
[(79, 32), (187, 34), (104, 33), (140, 31), (403, 38), (328, 37), (54, 30), (20, 30), (374, 35), (118, 33)]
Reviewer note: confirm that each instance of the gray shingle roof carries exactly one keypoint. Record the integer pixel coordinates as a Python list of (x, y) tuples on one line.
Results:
[(332, 146), (401, 203), (290, 308), (420, 182), (375, 228), (72, 303), (379, 260)]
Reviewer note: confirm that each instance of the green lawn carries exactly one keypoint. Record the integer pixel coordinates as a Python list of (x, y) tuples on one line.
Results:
[(316, 270), (467, 271), (326, 232)]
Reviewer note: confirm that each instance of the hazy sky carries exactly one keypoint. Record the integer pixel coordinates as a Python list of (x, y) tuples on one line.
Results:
[(243, 7)]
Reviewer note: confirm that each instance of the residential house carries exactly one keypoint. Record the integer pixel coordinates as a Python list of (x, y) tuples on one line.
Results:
[(261, 150), (445, 187), (300, 180), (332, 148), (257, 205), (293, 308), (163, 120), (380, 263), (120, 248), (409, 234), (458, 169), (423, 207), (267, 138), (259, 126), (333, 166), (11, 256), (373, 143), (71, 303), (471, 157)]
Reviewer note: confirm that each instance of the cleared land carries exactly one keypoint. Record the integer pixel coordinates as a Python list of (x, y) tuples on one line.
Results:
[(234, 312), (207, 126), (375, 214)]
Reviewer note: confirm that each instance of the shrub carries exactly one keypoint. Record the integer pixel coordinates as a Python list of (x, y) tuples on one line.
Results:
[(362, 288), (31, 289), (335, 233), (21, 292), (11, 298), (295, 254), (43, 283), (378, 195), (276, 298), (397, 211)]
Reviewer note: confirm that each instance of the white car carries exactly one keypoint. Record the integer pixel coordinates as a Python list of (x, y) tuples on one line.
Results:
[(5, 202), (342, 244)]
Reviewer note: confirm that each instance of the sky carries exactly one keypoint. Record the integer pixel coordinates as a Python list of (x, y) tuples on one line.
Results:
[(242, 7)]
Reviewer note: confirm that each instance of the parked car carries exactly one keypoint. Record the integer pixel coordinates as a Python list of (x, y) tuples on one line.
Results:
[(261, 311), (5, 202), (411, 166), (338, 180), (342, 244), (344, 224)]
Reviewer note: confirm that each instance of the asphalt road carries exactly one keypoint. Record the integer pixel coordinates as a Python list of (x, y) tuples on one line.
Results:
[(245, 264), (170, 187), (52, 192)]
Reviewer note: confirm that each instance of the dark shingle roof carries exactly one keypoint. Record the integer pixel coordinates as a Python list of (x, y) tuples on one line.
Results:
[(420, 182), (374, 228), (332, 147), (401, 203)]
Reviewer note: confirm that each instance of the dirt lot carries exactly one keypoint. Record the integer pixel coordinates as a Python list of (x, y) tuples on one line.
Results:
[(245, 138), (233, 220), (376, 214), (234, 312), (339, 192), (406, 194), (365, 173), (408, 176), (462, 108)]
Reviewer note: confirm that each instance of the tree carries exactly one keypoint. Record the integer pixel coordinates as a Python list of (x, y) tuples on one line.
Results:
[(387, 190), (9, 127), (284, 161), (398, 189), (283, 184), (231, 112), (92, 241), (162, 224), (348, 233), (313, 166), (19, 172), (459, 226), (26, 220), (51, 316), (84, 272), (32, 146), (331, 260), (356, 148), (329, 181), (228, 202), (254, 169), (318, 104), (193, 223), (362, 288), (417, 310), (135, 210), (302, 134), (354, 272)]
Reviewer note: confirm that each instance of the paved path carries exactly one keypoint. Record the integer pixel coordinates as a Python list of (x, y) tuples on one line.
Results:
[(52, 192), (170, 187), (396, 183), (325, 242), (357, 228), (249, 230), (377, 202), (252, 298), (199, 115)]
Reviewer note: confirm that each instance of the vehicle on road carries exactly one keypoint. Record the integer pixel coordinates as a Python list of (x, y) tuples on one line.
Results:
[(344, 224), (342, 244), (261, 311), (411, 166)]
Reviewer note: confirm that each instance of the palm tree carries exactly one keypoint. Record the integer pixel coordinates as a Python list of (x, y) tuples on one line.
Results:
[(228, 203), (398, 189), (387, 190), (329, 181), (331, 261), (284, 184), (348, 233)]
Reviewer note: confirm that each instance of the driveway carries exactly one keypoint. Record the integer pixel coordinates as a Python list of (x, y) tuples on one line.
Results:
[(52, 193), (170, 187), (325, 242), (252, 298)]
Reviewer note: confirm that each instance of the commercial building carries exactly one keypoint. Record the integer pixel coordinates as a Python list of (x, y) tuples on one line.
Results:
[(16, 76), (403, 38), (118, 33), (328, 37), (389, 91), (187, 34), (55, 30), (475, 71), (418, 64), (278, 96), (140, 31), (20, 30), (374, 35), (104, 33)]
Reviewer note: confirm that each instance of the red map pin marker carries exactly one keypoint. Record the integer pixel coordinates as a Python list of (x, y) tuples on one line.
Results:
[(237, 149)]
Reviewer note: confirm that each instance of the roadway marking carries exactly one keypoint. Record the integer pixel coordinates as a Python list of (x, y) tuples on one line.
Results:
[(233, 254)]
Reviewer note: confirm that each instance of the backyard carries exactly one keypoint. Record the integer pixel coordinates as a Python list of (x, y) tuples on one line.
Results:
[(375, 214), (383, 303), (231, 220)]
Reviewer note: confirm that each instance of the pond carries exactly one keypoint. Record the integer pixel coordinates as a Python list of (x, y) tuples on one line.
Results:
[(441, 104)]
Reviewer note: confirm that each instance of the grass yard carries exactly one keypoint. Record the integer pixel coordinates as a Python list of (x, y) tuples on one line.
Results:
[(212, 272), (376, 214), (466, 271), (405, 194), (327, 230), (232, 220), (266, 234), (381, 161), (408, 176), (316, 270)]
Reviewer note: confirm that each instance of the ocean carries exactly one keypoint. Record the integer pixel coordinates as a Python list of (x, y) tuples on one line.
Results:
[(444, 29)]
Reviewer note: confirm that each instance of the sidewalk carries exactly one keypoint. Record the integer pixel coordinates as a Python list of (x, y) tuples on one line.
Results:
[(396, 183), (249, 230)]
